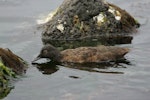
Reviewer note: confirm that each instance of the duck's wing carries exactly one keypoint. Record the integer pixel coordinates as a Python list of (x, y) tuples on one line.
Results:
[(93, 54), (111, 53), (79, 55)]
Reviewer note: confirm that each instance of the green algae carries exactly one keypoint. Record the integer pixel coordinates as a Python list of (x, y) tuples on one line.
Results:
[(5, 74), (11, 66), (4, 92)]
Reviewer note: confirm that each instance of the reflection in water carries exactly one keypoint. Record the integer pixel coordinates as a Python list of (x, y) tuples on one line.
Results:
[(47, 68), (51, 67), (102, 67), (94, 41), (4, 91), (74, 77)]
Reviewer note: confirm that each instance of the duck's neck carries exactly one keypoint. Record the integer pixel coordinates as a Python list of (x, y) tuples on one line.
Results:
[(56, 56)]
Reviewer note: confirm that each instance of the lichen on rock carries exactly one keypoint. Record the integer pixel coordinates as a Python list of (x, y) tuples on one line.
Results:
[(78, 19)]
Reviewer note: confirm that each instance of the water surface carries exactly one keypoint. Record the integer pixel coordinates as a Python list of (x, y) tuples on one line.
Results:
[(18, 32)]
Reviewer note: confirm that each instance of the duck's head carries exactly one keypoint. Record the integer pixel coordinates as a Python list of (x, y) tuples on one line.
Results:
[(50, 52)]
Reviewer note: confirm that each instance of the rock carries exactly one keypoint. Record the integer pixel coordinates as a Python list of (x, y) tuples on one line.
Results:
[(12, 61), (95, 41), (4, 92), (5, 75), (10, 66), (87, 19), (47, 68)]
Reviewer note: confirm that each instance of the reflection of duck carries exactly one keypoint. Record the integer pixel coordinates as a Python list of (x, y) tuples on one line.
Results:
[(47, 68), (83, 54)]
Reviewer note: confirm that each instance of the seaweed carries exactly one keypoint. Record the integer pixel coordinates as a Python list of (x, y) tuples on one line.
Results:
[(11, 66)]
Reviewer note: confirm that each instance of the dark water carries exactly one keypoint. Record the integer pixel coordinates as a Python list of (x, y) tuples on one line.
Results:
[(18, 32)]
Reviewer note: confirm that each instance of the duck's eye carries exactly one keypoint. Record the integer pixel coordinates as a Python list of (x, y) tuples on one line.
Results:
[(44, 51)]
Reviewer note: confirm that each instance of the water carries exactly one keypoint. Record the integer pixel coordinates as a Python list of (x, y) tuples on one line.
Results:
[(18, 32)]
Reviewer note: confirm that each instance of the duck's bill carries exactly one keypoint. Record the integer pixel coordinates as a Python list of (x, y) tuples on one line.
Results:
[(36, 59)]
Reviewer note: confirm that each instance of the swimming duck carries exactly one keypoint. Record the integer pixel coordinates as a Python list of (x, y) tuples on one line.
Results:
[(83, 54)]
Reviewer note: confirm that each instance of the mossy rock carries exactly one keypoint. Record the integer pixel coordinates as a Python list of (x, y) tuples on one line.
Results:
[(4, 92), (12, 61), (10, 66), (5, 74)]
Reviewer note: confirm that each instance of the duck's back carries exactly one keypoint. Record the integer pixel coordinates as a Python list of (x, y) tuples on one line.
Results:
[(93, 54)]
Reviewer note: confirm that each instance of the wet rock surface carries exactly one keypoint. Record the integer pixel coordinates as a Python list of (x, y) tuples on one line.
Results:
[(12, 61), (84, 19), (10, 66), (95, 41)]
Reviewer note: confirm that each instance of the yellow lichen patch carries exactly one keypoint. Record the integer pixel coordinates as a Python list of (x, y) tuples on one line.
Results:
[(84, 27), (80, 24), (105, 2), (115, 12), (101, 18), (76, 22), (111, 9), (60, 27), (76, 19)]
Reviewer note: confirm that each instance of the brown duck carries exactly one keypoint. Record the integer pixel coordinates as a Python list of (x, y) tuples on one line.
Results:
[(83, 54)]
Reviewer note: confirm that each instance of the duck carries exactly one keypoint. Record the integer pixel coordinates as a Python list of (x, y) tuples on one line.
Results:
[(82, 54)]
